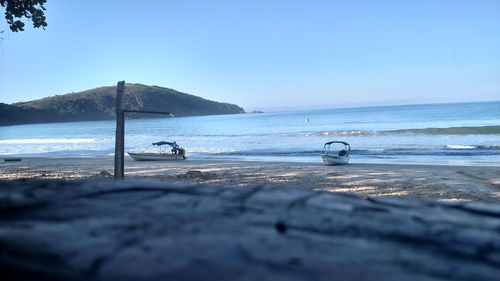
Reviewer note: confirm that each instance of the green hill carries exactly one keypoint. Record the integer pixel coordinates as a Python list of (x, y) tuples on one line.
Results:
[(99, 104)]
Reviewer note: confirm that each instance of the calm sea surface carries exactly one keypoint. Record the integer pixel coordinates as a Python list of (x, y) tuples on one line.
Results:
[(448, 134)]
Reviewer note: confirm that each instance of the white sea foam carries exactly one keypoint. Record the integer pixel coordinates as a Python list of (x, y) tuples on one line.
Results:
[(347, 133), (448, 146), (51, 140), (210, 150)]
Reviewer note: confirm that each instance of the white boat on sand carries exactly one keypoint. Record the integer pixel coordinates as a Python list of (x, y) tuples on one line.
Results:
[(160, 151), (335, 156)]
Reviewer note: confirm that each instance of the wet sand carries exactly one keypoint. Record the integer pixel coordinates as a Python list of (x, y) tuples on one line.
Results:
[(443, 183)]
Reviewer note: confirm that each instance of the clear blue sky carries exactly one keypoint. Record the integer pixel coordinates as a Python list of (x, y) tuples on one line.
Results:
[(263, 54)]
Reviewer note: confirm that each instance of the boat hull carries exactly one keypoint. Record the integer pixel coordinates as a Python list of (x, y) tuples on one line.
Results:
[(156, 156), (331, 160)]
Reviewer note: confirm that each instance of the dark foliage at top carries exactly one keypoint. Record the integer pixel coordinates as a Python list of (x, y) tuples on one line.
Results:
[(30, 9), (99, 104)]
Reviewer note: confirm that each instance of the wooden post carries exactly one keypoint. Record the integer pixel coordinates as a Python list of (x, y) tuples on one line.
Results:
[(120, 132)]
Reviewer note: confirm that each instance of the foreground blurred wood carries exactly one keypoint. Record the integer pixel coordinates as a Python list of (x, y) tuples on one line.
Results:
[(60, 230)]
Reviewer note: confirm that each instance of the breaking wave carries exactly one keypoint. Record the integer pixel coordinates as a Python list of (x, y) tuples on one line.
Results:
[(470, 147), (52, 140), (482, 130), (350, 133)]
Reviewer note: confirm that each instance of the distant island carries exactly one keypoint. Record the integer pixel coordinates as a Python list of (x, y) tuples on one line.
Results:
[(99, 104)]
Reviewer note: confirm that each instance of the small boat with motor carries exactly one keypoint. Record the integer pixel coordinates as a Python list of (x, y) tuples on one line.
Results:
[(160, 151), (336, 153)]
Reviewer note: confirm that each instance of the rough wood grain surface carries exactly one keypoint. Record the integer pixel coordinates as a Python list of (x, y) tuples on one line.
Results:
[(60, 230)]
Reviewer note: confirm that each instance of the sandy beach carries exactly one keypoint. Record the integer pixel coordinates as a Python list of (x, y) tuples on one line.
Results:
[(443, 183)]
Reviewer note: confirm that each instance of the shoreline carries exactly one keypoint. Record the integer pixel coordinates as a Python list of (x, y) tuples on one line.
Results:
[(216, 159), (432, 182), (272, 159)]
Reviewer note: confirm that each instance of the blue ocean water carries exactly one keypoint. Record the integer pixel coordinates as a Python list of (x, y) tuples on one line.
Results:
[(447, 134)]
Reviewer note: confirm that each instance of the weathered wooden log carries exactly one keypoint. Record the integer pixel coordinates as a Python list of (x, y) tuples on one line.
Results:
[(60, 230)]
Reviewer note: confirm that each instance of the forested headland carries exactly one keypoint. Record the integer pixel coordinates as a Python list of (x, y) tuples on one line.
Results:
[(99, 104)]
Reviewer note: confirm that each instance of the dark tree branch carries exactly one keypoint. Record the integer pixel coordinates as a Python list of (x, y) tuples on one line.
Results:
[(17, 9)]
